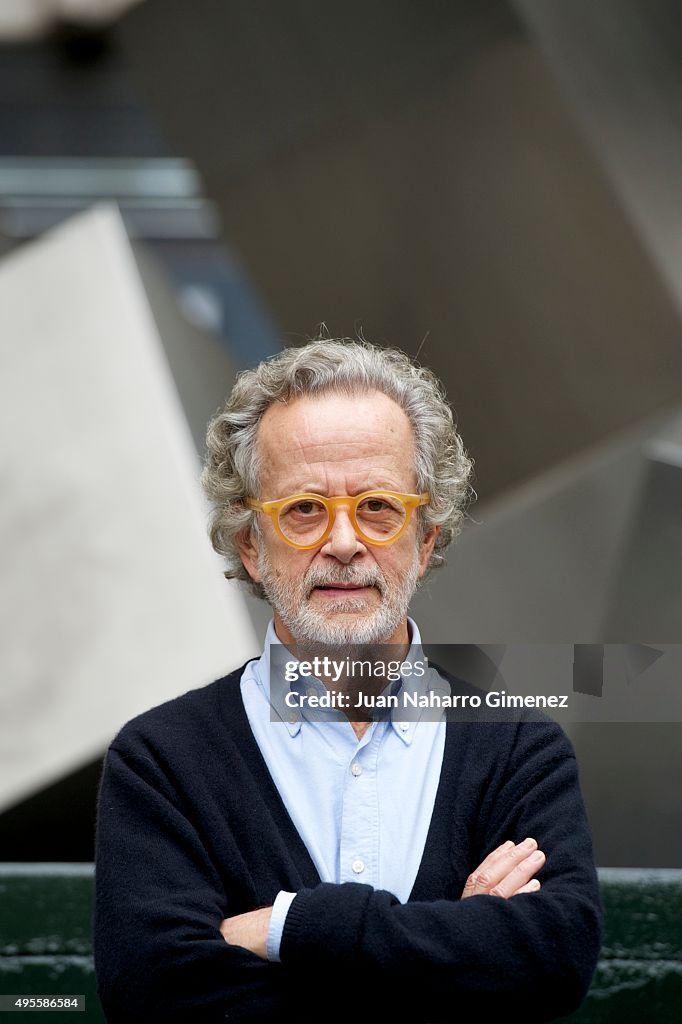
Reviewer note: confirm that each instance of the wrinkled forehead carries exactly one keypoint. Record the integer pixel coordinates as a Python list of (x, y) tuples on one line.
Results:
[(336, 437)]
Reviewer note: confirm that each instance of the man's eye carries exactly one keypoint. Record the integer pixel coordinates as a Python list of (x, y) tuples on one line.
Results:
[(307, 508), (375, 505)]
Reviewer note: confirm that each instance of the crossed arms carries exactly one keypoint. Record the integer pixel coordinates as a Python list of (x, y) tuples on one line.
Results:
[(507, 871)]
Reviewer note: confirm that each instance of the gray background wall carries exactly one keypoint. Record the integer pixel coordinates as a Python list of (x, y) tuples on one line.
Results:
[(500, 179)]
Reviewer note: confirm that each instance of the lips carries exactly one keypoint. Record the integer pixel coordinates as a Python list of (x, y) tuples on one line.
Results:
[(338, 589), (341, 586)]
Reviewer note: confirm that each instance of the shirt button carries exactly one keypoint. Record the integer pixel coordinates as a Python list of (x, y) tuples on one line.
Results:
[(292, 718), (311, 691), (356, 768), (404, 726), (358, 866)]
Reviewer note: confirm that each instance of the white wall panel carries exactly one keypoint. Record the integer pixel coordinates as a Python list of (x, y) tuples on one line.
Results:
[(111, 598)]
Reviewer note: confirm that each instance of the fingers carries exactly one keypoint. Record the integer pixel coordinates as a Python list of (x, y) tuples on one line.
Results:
[(531, 886), (498, 856), (506, 870), (497, 866), (519, 876)]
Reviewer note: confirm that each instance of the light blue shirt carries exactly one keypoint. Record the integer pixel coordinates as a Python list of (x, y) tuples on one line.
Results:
[(361, 806)]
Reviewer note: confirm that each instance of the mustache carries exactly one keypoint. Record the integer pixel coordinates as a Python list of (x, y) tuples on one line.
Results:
[(318, 576)]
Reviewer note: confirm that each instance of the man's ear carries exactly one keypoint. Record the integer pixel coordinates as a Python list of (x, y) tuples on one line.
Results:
[(247, 544), (426, 548)]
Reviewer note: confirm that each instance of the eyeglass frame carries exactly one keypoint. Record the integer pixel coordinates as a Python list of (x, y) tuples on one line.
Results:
[(273, 508)]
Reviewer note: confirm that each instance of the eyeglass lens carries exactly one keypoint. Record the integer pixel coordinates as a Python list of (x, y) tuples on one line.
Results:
[(379, 517)]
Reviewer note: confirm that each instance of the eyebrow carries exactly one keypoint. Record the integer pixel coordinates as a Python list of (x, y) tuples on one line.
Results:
[(350, 494)]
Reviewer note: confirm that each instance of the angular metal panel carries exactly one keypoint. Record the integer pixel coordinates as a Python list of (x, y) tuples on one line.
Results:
[(112, 599)]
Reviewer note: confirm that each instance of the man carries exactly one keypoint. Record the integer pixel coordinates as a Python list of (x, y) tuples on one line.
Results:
[(255, 862)]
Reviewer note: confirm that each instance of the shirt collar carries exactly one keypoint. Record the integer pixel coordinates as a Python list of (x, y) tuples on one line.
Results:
[(293, 717)]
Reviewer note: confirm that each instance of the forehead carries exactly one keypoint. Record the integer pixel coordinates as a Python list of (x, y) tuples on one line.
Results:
[(313, 437)]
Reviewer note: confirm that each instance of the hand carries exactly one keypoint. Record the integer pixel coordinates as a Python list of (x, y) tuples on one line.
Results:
[(249, 930), (507, 871)]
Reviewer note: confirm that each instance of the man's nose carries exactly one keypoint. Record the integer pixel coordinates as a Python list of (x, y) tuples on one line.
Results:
[(343, 542)]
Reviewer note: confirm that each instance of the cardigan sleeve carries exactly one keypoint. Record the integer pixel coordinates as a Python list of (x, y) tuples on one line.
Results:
[(533, 954), (159, 901)]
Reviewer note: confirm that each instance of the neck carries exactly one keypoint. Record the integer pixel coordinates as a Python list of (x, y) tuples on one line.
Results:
[(331, 664)]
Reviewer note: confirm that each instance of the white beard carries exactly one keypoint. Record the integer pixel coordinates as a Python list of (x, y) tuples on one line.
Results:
[(370, 625)]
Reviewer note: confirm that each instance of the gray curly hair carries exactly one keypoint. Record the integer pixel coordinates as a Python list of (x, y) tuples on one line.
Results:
[(323, 366)]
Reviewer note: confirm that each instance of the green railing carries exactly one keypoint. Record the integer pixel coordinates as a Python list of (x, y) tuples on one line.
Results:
[(639, 975), (46, 946), (45, 934)]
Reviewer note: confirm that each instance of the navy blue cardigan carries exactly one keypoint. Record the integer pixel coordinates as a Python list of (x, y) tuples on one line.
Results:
[(191, 829)]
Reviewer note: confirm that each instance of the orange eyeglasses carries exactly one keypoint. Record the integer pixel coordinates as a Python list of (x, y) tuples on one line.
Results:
[(304, 521)]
